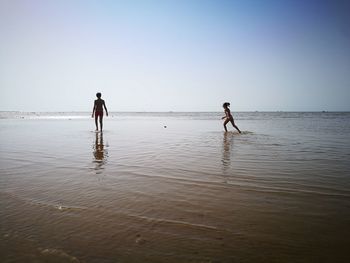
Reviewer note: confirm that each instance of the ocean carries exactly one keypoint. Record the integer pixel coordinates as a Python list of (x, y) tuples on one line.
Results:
[(174, 187)]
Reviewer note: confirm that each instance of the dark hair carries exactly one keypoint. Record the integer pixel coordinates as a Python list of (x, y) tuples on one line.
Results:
[(98, 94), (226, 104)]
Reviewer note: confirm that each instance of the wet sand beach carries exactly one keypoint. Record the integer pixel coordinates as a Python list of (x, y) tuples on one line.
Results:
[(173, 187)]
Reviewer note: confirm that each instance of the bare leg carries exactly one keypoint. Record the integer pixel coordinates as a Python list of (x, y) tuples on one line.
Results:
[(234, 125), (96, 122), (225, 122), (101, 122)]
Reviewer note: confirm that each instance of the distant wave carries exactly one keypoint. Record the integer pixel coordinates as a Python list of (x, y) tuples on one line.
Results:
[(179, 115)]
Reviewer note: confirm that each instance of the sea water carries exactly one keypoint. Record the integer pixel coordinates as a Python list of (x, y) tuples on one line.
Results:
[(174, 187)]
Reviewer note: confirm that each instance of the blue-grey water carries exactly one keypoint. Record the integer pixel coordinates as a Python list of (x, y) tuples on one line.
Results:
[(173, 187)]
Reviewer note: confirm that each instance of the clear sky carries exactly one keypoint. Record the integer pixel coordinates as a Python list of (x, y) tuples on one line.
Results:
[(162, 55)]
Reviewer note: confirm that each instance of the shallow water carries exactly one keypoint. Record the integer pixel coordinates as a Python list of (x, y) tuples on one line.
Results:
[(173, 187)]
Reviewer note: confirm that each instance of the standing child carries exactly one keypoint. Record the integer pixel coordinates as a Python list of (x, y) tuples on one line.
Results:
[(98, 110), (228, 117)]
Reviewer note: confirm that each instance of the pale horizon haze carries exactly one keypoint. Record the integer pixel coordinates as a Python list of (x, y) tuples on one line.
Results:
[(175, 55)]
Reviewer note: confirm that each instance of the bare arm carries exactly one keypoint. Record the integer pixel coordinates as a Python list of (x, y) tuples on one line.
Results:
[(93, 109), (104, 105), (227, 115)]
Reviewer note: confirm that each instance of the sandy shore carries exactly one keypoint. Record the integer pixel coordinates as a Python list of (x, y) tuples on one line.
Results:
[(139, 192)]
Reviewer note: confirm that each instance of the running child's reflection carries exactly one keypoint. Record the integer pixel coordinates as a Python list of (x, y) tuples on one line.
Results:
[(227, 146)]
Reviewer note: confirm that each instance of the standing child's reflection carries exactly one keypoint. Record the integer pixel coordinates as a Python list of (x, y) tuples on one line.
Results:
[(100, 153)]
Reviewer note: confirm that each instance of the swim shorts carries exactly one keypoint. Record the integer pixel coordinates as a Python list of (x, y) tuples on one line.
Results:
[(99, 113)]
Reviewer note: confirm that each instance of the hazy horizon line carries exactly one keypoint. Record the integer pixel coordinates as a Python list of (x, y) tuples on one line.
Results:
[(110, 111)]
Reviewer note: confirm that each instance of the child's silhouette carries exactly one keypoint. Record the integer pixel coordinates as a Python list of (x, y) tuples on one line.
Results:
[(228, 117), (98, 110)]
